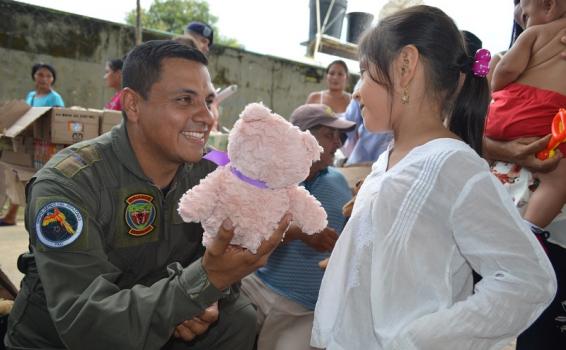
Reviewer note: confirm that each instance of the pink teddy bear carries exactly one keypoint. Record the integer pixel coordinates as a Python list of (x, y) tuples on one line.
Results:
[(269, 157)]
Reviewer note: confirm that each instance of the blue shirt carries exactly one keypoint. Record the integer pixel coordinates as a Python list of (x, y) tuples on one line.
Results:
[(369, 146), (52, 99), (292, 269)]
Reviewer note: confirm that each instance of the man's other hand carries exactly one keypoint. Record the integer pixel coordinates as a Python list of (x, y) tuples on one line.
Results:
[(322, 241), (196, 326)]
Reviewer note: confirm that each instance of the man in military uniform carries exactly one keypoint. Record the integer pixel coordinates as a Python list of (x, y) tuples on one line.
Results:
[(111, 263)]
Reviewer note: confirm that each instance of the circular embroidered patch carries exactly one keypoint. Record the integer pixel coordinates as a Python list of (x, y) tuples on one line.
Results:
[(140, 214), (58, 224)]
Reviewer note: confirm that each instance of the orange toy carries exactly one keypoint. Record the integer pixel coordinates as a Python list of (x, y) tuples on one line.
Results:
[(558, 135)]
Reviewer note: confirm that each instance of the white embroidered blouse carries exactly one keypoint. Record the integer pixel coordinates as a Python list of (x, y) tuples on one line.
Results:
[(400, 276)]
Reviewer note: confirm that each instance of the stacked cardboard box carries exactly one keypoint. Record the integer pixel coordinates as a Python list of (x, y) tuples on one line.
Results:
[(109, 119), (66, 125), (37, 133), (43, 151)]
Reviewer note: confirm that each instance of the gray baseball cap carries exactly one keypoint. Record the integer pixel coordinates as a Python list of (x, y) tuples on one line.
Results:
[(311, 115)]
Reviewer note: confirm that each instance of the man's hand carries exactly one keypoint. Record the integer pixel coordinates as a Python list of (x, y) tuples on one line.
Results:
[(196, 326), (226, 264), (522, 152), (525, 150), (322, 241)]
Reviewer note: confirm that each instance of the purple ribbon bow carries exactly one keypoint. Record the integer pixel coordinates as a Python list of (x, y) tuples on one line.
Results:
[(221, 159)]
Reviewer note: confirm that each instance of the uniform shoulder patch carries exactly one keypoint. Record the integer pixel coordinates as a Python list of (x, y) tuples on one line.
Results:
[(58, 224), (78, 160)]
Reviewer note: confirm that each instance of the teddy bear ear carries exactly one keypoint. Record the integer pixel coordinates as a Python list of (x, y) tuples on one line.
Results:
[(312, 145), (255, 111)]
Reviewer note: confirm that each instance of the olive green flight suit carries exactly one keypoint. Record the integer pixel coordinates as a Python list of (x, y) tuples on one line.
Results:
[(111, 263)]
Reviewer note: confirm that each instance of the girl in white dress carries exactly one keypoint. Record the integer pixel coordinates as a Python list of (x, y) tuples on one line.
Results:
[(430, 212)]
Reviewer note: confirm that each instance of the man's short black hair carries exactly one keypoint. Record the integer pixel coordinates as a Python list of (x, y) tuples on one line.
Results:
[(142, 66), (47, 66)]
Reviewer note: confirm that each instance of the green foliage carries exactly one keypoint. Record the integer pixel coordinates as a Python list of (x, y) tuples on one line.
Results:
[(230, 42), (173, 15)]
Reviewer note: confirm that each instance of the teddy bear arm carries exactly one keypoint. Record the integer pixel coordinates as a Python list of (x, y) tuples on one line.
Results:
[(199, 202), (307, 212)]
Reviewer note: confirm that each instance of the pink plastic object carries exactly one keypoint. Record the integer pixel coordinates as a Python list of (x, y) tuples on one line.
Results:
[(481, 63)]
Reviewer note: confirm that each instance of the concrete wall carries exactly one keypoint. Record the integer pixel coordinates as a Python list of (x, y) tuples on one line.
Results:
[(78, 48)]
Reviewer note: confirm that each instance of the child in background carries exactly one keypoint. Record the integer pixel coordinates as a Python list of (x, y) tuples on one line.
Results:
[(400, 275), (44, 77), (529, 88)]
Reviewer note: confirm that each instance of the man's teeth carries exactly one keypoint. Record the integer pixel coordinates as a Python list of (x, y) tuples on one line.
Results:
[(194, 134)]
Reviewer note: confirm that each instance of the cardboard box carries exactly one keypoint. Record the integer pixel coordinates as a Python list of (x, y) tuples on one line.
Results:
[(43, 151), (109, 119), (52, 124), (67, 125), (22, 159), (355, 173), (16, 116), (52, 129), (11, 112)]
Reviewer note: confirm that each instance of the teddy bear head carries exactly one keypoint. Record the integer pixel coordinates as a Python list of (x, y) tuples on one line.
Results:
[(264, 146)]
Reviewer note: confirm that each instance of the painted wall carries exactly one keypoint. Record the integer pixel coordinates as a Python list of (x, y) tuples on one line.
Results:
[(78, 48)]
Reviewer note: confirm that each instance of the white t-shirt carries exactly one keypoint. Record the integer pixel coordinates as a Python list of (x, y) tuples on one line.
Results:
[(400, 276)]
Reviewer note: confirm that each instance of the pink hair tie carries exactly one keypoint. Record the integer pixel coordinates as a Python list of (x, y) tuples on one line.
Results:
[(480, 67)]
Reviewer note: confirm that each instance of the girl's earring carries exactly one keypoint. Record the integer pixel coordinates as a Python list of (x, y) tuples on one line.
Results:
[(405, 97)]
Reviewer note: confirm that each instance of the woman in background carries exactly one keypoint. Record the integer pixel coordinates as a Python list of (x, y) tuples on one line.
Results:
[(113, 77), (335, 97)]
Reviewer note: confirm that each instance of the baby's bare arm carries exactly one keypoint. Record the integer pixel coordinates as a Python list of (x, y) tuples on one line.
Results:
[(515, 61)]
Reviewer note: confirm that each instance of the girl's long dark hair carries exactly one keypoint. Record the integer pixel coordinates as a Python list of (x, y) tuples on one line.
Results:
[(441, 46)]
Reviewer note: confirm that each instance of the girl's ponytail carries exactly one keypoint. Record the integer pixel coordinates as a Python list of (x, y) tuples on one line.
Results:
[(471, 105)]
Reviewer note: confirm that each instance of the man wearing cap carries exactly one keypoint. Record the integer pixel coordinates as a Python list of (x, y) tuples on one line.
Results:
[(203, 35), (285, 291)]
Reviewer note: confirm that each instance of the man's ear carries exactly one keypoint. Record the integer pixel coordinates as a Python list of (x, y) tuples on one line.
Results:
[(406, 65), (130, 101)]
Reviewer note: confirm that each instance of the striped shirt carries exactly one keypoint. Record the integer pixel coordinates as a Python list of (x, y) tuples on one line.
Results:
[(292, 270)]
